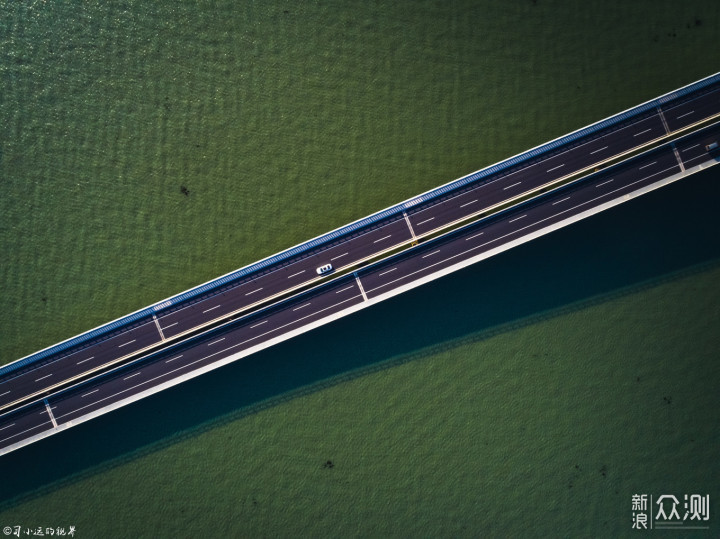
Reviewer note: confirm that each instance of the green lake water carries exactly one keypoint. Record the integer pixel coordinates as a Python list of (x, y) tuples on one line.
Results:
[(529, 395)]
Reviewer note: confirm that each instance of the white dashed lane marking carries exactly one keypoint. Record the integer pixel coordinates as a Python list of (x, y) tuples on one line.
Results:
[(346, 288)]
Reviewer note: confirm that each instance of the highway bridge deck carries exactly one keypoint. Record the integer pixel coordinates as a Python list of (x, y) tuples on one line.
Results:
[(271, 283), (349, 293)]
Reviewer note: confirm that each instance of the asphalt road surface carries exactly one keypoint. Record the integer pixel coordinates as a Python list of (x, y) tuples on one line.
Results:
[(425, 259), (39, 379)]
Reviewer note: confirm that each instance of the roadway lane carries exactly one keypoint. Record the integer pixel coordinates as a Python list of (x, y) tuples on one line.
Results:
[(280, 280), (477, 239), (692, 111), (45, 376), (425, 218), (692, 149), (292, 314), (24, 423), (583, 154), (183, 359), (39, 379), (532, 176)]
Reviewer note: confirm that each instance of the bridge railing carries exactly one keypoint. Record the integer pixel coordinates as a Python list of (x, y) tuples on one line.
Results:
[(397, 209)]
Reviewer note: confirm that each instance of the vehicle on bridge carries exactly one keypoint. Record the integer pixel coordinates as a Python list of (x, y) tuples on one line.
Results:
[(322, 270), (712, 146)]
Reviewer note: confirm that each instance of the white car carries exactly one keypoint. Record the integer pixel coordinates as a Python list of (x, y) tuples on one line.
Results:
[(322, 270)]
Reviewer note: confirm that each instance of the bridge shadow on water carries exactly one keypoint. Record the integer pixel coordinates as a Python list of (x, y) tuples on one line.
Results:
[(660, 236)]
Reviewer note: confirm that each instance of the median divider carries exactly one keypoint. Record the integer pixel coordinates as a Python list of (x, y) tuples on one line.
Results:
[(196, 293)]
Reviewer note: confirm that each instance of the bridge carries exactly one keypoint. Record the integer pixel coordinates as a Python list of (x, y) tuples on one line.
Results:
[(375, 258)]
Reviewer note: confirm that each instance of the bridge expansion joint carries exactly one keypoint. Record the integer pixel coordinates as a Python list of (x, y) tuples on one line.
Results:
[(677, 156), (662, 118), (49, 411), (157, 323), (360, 286), (407, 220)]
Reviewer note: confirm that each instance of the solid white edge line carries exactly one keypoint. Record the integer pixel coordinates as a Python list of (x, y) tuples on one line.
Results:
[(222, 361), (686, 161), (407, 203), (357, 307), (569, 220), (52, 431)]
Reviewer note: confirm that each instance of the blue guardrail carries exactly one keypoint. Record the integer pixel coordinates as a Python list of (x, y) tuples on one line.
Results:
[(374, 218)]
